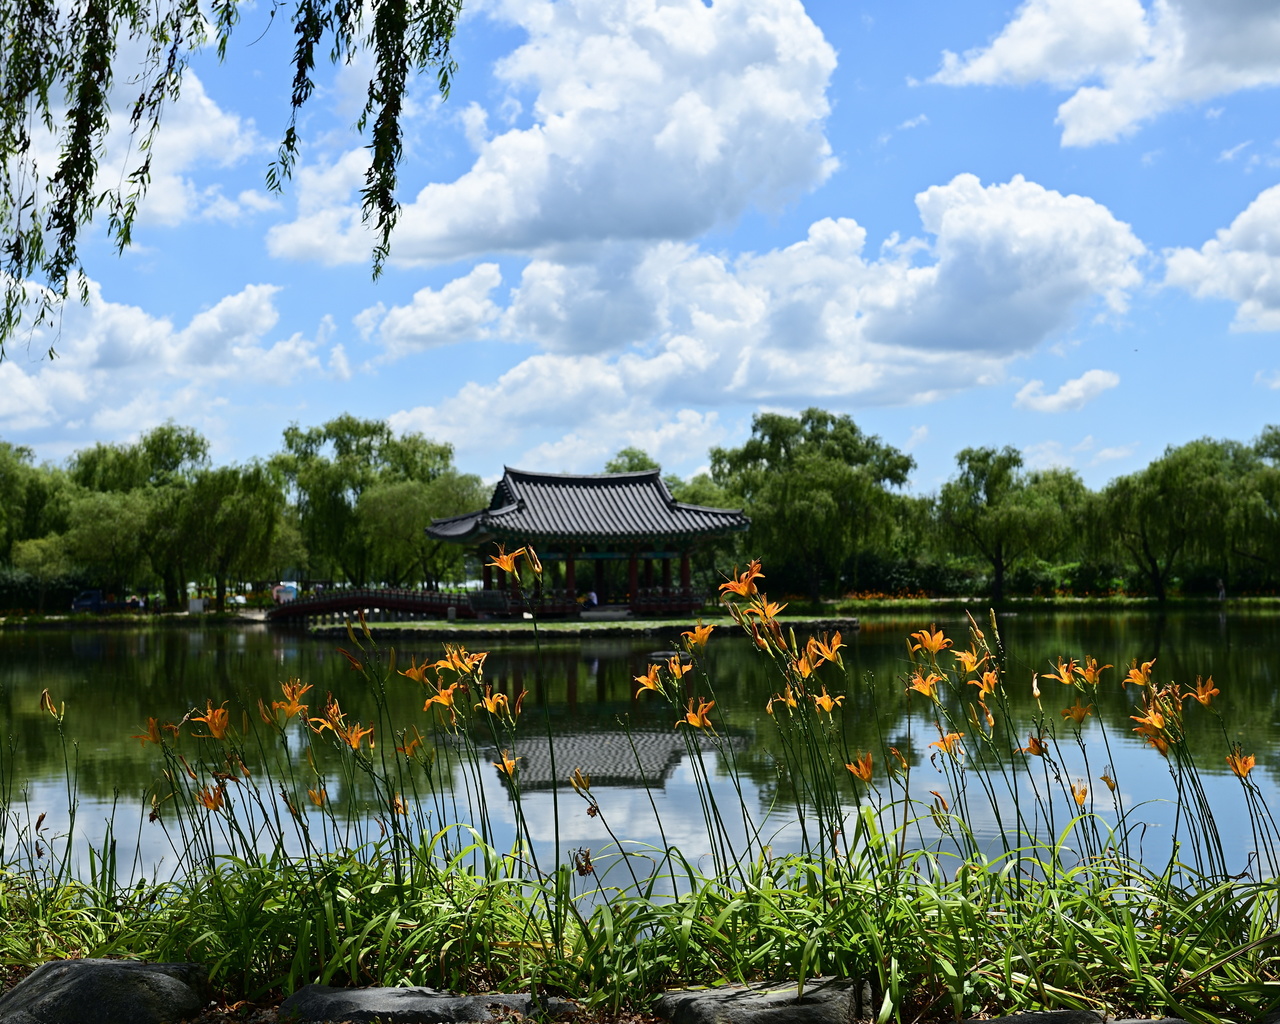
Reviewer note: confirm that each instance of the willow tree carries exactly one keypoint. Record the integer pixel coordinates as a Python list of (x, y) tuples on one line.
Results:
[(63, 63)]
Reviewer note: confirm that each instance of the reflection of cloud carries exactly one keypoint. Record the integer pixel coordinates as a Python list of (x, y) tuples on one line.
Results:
[(1126, 63)]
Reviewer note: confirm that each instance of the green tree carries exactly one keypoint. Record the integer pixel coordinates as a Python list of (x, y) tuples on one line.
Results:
[(393, 516), (1177, 506), (55, 55), (105, 537), (994, 509), (815, 487), (44, 559), (159, 467), (328, 468), (630, 460), (15, 474), (231, 514)]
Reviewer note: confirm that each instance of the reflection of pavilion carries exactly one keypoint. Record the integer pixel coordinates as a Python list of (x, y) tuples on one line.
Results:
[(610, 758)]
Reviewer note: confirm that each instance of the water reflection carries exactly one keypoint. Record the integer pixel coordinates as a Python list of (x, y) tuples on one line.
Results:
[(583, 694)]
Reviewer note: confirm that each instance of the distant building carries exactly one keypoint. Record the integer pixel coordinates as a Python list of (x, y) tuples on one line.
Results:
[(580, 524)]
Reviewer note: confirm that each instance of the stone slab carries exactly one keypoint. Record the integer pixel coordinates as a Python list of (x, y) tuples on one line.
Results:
[(822, 1001), (316, 1004), (106, 992)]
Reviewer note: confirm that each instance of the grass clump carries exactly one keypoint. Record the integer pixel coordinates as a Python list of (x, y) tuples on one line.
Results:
[(314, 847)]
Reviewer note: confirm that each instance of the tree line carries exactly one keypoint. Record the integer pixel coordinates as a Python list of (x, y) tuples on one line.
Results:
[(347, 502), (344, 501)]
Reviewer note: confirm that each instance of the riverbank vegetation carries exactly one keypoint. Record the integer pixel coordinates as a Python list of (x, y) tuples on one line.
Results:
[(346, 503), (309, 846)]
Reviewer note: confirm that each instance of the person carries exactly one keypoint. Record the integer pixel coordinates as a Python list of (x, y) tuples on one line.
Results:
[(592, 601)]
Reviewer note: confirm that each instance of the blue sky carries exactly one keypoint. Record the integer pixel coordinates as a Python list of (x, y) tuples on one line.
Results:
[(636, 222)]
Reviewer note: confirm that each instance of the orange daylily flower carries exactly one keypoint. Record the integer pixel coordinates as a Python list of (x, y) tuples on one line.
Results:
[(507, 562), (1092, 671), (1150, 724), (986, 711), (456, 659), (698, 719), (828, 649), (1139, 676), (766, 609), (1034, 746), (291, 705), (949, 743), (650, 680), (416, 672), (1242, 764), (494, 703), (861, 767), (1205, 691), (1080, 791), (1159, 742), (318, 796), (507, 766), (934, 643), (353, 734), (696, 639), (678, 668), (333, 717), (1105, 777), (804, 667), (410, 745), (987, 684), (1077, 712), (217, 719), (745, 584), (445, 697), (897, 756), (827, 703), (152, 735), (969, 660), (398, 805), (787, 697), (212, 798), (928, 685), (1064, 673)]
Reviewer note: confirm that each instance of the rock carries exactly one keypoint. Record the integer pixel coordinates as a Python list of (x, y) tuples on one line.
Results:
[(824, 1001), (106, 992), (317, 1003), (1049, 1017)]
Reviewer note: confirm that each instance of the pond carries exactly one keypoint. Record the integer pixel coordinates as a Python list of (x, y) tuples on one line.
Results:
[(583, 692)]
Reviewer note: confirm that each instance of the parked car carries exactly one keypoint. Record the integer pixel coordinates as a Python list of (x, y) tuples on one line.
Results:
[(95, 601)]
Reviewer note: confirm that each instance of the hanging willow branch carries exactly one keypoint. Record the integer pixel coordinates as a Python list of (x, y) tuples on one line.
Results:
[(58, 63)]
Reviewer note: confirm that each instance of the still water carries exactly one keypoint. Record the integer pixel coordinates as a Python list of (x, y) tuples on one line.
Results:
[(112, 681)]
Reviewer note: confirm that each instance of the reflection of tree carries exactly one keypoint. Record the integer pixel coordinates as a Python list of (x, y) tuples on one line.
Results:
[(113, 680)]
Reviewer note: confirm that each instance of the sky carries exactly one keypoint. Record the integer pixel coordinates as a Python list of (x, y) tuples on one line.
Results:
[(641, 222)]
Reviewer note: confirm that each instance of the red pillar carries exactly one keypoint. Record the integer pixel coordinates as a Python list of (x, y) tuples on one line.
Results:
[(686, 577), (570, 584), (666, 577), (648, 573), (486, 574), (633, 579)]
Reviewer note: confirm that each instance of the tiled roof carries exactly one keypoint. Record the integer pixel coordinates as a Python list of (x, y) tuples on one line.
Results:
[(609, 758), (606, 507)]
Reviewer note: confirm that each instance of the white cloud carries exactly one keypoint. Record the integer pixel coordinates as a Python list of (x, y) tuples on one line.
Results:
[(460, 311), (1268, 380), (1008, 267), (1127, 64), (1227, 155), (1241, 263), (121, 369), (652, 120), (1072, 395)]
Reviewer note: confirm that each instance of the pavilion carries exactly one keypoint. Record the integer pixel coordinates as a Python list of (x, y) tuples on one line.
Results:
[(583, 526)]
